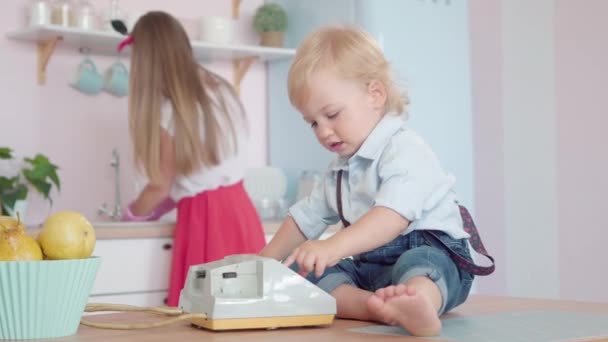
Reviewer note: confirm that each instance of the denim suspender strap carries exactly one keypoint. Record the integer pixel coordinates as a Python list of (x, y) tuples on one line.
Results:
[(475, 241), (345, 223), (468, 225)]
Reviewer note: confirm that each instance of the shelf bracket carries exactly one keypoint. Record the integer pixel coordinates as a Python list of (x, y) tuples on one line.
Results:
[(240, 67), (235, 8), (45, 51)]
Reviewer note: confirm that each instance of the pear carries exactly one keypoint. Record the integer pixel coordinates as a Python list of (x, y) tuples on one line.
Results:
[(8, 221), (15, 243)]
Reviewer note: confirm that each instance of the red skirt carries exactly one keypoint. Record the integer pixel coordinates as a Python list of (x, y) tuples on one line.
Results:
[(210, 226)]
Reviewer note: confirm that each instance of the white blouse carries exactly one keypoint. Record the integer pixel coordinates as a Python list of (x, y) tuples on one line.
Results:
[(231, 169)]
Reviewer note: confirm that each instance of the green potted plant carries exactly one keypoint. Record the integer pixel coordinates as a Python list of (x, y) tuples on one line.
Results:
[(270, 21), (21, 176)]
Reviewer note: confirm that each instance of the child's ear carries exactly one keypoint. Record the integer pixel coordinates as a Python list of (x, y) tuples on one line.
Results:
[(377, 93)]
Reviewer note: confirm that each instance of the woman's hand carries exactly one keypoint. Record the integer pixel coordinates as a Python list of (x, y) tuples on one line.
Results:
[(154, 200), (314, 255), (164, 207)]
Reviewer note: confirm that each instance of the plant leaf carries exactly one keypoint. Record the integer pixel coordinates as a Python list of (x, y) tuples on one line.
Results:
[(40, 175), (38, 171), (6, 153), (10, 197), (42, 169), (55, 178), (44, 188), (7, 184)]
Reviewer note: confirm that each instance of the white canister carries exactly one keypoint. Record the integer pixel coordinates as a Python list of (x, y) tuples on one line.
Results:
[(86, 18), (63, 14), (219, 30), (40, 13)]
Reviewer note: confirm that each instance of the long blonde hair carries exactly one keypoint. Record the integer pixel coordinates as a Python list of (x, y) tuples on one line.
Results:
[(163, 67), (351, 53)]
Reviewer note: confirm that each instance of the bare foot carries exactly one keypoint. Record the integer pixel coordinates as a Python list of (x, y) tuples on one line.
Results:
[(402, 305)]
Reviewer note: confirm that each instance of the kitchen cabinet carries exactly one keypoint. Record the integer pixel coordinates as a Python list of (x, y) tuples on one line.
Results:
[(132, 271), (144, 299)]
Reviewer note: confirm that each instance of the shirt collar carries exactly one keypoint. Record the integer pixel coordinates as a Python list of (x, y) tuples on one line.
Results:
[(376, 140)]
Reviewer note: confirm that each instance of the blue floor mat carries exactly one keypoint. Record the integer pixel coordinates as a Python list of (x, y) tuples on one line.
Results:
[(537, 326)]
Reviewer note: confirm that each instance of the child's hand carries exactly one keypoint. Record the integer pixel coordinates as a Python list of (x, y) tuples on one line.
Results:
[(313, 255)]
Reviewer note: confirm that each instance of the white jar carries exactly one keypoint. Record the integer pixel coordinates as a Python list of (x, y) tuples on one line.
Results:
[(63, 13), (85, 16), (218, 30), (40, 12)]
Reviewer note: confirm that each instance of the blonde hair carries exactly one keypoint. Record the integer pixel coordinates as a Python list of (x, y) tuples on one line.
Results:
[(163, 67), (352, 54)]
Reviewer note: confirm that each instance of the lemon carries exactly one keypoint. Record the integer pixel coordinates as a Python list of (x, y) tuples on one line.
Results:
[(67, 235), (15, 243)]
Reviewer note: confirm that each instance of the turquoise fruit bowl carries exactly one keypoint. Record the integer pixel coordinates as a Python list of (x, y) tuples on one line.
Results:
[(44, 299)]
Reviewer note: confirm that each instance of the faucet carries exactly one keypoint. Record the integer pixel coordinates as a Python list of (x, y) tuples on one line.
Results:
[(116, 212)]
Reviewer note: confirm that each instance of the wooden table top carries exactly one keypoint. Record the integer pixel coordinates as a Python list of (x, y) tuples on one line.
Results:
[(338, 331)]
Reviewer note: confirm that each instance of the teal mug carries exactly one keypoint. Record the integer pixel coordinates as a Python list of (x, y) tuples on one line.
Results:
[(87, 79), (116, 80)]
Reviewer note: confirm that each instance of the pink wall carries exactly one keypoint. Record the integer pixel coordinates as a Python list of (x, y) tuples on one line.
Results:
[(581, 52), (488, 154), (581, 115), (78, 132)]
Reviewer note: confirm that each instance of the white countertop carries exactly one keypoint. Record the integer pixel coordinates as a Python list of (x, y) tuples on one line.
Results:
[(105, 230)]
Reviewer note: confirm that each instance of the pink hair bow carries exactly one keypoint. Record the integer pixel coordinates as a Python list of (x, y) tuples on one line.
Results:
[(127, 41)]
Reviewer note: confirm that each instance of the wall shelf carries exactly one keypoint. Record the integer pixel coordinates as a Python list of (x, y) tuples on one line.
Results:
[(105, 43)]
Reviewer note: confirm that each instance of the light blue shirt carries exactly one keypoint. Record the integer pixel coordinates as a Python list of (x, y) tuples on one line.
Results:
[(393, 168)]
